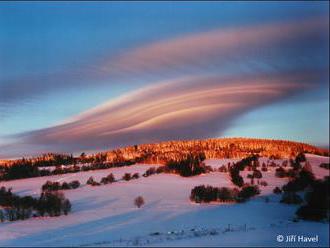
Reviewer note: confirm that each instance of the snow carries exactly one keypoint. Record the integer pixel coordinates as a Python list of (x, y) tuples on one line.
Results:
[(106, 216)]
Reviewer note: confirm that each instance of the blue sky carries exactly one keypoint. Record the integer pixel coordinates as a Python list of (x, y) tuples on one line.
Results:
[(60, 59)]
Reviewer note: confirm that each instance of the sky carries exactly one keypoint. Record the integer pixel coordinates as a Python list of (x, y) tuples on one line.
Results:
[(90, 76)]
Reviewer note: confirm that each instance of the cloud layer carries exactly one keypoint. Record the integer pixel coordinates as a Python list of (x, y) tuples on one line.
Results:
[(184, 108), (196, 98), (197, 52)]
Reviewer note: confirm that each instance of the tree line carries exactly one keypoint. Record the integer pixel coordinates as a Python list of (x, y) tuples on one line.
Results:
[(17, 207), (206, 194)]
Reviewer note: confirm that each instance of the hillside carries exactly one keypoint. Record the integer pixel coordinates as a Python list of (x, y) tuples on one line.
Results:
[(164, 151), (106, 216)]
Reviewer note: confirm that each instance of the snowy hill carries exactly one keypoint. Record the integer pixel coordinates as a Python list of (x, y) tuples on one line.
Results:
[(106, 216)]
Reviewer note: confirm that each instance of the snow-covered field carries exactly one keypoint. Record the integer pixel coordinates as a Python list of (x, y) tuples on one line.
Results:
[(106, 216)]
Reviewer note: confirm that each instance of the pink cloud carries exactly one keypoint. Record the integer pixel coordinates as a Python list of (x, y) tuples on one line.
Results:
[(190, 107)]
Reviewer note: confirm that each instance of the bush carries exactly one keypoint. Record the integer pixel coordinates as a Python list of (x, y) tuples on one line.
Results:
[(277, 190), (51, 186), (66, 206), (295, 164), (247, 192), (150, 172), (53, 203), (135, 176), (108, 179), (257, 174), (54, 186), (209, 193), (325, 166), (127, 177), (139, 201), (65, 185), (300, 158), (300, 181), (227, 194), (74, 184), (160, 169), (263, 183), (309, 213), (291, 198), (223, 168), (192, 165), (20, 208), (235, 177), (317, 207), (92, 182), (204, 193), (280, 172), (240, 166), (21, 169), (2, 216)]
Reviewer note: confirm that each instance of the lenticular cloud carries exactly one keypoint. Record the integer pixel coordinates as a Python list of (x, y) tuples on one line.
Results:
[(184, 108)]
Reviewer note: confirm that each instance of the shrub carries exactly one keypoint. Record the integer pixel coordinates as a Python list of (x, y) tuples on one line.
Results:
[(300, 181), (74, 184), (204, 193), (257, 174), (127, 176), (295, 164), (240, 166), (277, 190), (209, 193), (92, 182), (309, 213), (108, 179), (291, 198), (300, 158), (285, 163), (280, 172), (53, 203), (21, 169), (235, 177), (66, 206), (250, 176), (247, 192), (263, 183), (65, 185), (191, 166), (139, 201), (150, 172), (160, 169), (16, 207), (317, 207), (223, 168), (227, 194), (325, 166), (135, 176), (51, 186), (2, 216)]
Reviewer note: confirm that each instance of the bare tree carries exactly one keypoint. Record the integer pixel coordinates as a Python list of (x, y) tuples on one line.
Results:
[(139, 201)]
